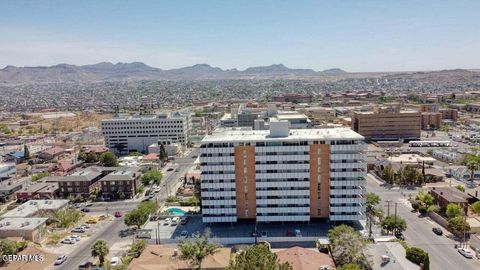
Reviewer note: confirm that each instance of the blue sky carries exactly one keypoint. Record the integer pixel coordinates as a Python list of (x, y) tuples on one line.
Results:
[(352, 35)]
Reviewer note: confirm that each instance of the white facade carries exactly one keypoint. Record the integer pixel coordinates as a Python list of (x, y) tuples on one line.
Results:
[(136, 133), (7, 169), (282, 173)]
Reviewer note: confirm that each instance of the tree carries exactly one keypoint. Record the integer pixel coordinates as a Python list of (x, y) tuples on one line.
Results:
[(138, 247), (460, 187), (100, 250), (257, 257), (196, 250), (135, 154), (428, 200), (476, 207), (8, 247), (473, 164), (459, 224), (349, 266), (82, 155), (453, 210), (26, 152), (394, 223), (152, 176), (108, 159), (418, 256), (91, 157), (387, 174), (67, 217), (348, 246), (136, 218), (372, 200), (163, 153)]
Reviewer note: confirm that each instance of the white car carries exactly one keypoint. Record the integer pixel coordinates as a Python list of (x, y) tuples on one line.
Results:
[(114, 261), (175, 221), (167, 221), (68, 241), (75, 237), (466, 253), (60, 259)]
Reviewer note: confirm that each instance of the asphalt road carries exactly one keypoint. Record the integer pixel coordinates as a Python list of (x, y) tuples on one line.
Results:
[(419, 233), (110, 233)]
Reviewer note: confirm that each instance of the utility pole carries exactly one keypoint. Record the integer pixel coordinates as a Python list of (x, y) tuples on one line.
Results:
[(395, 221), (388, 207)]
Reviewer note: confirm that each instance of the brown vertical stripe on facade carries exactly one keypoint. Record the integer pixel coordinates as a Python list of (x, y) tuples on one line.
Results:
[(319, 198), (249, 197)]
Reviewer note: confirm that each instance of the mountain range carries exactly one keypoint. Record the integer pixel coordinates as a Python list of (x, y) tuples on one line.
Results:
[(106, 71)]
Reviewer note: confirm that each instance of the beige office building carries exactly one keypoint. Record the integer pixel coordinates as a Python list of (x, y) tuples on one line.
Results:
[(388, 123)]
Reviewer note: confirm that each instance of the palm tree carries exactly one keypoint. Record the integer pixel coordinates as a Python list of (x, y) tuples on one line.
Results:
[(473, 164), (372, 200), (196, 250), (100, 250)]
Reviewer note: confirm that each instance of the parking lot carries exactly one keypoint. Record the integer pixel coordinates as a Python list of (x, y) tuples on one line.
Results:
[(240, 229)]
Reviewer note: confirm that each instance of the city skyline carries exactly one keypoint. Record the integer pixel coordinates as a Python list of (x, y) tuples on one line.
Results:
[(357, 37)]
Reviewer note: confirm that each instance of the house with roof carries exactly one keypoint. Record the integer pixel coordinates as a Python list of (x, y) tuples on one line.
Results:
[(162, 257), (46, 263), (38, 191), (51, 153), (447, 195), (9, 187), (15, 156), (30, 228), (462, 173), (306, 259)]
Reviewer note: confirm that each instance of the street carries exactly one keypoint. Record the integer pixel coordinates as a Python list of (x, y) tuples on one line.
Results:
[(110, 233), (419, 233)]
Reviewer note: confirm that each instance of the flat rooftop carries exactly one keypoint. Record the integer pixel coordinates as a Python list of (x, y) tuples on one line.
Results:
[(20, 224), (31, 207), (146, 117), (229, 135)]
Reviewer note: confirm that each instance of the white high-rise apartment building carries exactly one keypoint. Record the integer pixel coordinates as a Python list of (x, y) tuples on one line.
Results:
[(283, 175), (136, 133)]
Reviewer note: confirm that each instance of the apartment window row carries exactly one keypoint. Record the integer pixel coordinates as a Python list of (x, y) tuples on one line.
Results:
[(282, 180), (216, 163), (283, 214), (281, 188), (268, 162), (144, 131), (219, 215), (345, 161), (346, 179), (218, 155), (219, 181), (143, 127), (218, 198), (344, 187), (218, 172), (283, 197), (218, 206), (141, 123), (345, 196), (283, 171), (344, 204), (283, 205), (347, 170), (217, 189), (343, 213), (296, 153)]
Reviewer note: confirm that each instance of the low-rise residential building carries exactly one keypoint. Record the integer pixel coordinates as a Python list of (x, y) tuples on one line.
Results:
[(161, 257), (124, 181), (38, 191), (7, 170), (9, 187), (33, 207), (306, 259), (447, 195), (282, 174), (81, 183), (449, 114), (462, 173), (320, 115), (51, 153), (31, 228)]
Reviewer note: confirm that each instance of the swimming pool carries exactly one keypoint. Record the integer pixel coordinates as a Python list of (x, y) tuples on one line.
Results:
[(176, 212)]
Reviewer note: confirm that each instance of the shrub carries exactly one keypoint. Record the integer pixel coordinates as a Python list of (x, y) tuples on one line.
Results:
[(423, 209), (434, 208), (415, 206), (418, 256)]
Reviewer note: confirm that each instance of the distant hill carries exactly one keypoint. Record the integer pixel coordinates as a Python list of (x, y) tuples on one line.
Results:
[(136, 71)]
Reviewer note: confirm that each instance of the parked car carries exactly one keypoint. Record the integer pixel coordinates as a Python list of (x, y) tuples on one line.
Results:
[(169, 169), (60, 259), (167, 221), (114, 261), (77, 205), (264, 234), (175, 221), (85, 210), (85, 265), (78, 230), (118, 214), (183, 220), (399, 235), (85, 226), (298, 233), (437, 231), (465, 252), (68, 241), (91, 221), (184, 234), (75, 237)]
